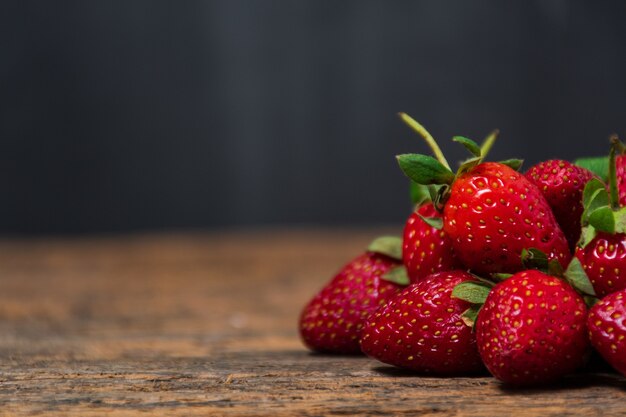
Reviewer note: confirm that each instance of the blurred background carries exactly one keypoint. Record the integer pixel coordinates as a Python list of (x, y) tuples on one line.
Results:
[(121, 116)]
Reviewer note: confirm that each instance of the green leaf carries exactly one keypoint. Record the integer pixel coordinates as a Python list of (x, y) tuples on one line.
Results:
[(397, 275), (603, 219), (587, 234), (577, 278), (501, 276), (424, 169), (515, 164), (620, 220), (533, 258), (483, 281), (472, 292), (470, 315), (419, 193), (485, 147), (469, 144), (390, 246), (598, 199), (598, 165), (436, 222), (468, 165), (591, 190)]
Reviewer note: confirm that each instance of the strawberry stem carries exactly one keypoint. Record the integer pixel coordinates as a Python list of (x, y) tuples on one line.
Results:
[(620, 146), (485, 147), (614, 197), (421, 130)]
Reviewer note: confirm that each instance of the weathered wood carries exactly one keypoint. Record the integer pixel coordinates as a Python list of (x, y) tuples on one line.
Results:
[(206, 325)]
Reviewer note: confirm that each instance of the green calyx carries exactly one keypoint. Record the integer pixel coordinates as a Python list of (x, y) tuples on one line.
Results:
[(472, 292), (469, 144), (598, 165), (576, 276), (390, 246), (475, 293), (425, 170), (602, 212), (397, 275), (514, 164), (436, 222), (419, 193), (435, 171), (533, 258), (500, 276)]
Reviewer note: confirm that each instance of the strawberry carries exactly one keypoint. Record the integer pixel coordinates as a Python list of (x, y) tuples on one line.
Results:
[(607, 329), (425, 249), (421, 328), (602, 247), (604, 260), (490, 211), (493, 213), (333, 320), (532, 329), (562, 184)]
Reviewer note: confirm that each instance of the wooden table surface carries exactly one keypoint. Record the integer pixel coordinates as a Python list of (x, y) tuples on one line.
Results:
[(185, 325)]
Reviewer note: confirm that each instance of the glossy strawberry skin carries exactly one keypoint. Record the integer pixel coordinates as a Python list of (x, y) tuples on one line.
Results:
[(607, 329), (493, 213), (532, 329), (604, 260), (426, 250), (562, 184), (421, 329), (333, 320)]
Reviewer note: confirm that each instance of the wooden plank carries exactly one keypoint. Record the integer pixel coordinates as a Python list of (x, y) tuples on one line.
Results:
[(206, 325)]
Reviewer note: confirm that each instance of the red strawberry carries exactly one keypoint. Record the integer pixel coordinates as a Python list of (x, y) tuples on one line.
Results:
[(607, 329), (531, 329), (333, 320), (604, 260), (602, 248), (562, 184), (421, 328), (494, 213), (490, 211), (425, 249)]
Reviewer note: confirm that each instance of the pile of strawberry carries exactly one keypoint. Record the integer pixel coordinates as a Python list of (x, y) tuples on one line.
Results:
[(521, 274)]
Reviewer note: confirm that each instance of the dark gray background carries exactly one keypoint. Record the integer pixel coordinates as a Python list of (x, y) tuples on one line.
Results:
[(144, 115)]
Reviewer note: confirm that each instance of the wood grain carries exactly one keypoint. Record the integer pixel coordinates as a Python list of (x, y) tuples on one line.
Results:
[(186, 325)]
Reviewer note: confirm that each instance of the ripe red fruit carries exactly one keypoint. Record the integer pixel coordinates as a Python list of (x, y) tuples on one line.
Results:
[(490, 211), (604, 260), (493, 213), (425, 249), (562, 184), (333, 320), (531, 329), (421, 328), (607, 329), (602, 247)]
